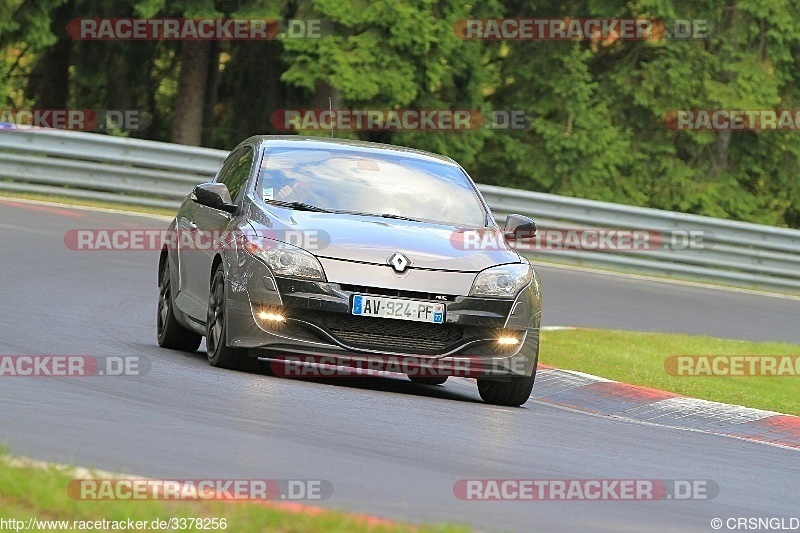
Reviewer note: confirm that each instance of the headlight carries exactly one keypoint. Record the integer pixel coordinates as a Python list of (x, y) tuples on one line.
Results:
[(285, 259), (503, 281)]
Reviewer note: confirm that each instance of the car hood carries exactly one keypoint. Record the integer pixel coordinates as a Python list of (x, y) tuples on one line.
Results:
[(369, 239)]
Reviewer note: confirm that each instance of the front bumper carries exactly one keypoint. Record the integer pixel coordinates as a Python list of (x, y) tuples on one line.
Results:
[(316, 321)]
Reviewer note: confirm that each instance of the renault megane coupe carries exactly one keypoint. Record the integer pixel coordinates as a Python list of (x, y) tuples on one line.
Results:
[(355, 252)]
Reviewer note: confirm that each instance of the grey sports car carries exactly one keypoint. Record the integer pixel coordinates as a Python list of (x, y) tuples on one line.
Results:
[(351, 255)]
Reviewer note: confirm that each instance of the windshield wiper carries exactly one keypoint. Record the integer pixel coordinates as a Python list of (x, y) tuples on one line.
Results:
[(299, 206), (381, 215), (397, 217)]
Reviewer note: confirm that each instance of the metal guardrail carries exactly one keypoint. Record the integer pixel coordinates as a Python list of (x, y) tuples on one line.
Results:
[(149, 173)]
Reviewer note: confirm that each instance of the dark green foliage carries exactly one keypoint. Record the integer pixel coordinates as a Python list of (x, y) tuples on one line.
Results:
[(595, 110)]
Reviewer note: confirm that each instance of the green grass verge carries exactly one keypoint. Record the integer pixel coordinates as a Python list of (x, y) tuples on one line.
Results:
[(120, 206), (27, 492), (638, 358)]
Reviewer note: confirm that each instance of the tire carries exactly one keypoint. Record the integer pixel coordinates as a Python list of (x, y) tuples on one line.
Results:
[(437, 380), (169, 332), (219, 354), (509, 393)]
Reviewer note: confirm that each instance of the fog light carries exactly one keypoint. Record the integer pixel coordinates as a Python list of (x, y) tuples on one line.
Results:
[(507, 341), (270, 316)]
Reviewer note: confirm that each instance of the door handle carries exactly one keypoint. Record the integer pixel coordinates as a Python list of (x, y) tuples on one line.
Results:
[(192, 226)]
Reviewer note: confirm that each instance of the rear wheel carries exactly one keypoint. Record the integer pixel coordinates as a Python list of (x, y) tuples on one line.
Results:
[(438, 380), (219, 354), (169, 332)]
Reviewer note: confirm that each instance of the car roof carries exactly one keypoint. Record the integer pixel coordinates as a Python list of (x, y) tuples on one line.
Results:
[(326, 143)]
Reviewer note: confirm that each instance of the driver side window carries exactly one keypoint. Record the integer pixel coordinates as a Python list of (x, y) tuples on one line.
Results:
[(235, 172)]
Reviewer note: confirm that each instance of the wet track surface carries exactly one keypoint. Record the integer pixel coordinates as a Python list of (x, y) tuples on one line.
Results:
[(388, 447)]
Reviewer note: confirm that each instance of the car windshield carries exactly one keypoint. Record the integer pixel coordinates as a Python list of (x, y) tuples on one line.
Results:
[(368, 183)]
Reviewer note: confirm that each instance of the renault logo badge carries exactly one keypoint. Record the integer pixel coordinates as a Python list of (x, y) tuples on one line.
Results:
[(399, 262)]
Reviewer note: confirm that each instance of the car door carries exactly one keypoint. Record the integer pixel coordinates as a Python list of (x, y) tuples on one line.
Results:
[(210, 223)]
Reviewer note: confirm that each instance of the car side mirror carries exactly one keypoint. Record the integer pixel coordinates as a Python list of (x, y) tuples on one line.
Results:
[(215, 196), (519, 227)]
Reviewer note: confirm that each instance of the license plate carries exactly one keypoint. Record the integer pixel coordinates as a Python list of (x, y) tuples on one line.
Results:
[(398, 308)]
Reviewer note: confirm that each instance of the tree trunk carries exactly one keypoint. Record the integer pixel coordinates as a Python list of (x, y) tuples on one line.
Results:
[(326, 96), (250, 90), (212, 94), (187, 124), (48, 85)]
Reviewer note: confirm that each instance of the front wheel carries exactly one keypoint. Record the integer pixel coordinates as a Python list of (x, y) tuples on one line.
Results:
[(219, 354), (510, 393)]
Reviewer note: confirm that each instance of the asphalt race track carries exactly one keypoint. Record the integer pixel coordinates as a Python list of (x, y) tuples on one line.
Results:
[(388, 447)]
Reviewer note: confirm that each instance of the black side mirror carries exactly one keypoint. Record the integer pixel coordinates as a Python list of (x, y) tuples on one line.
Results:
[(519, 227), (214, 195)]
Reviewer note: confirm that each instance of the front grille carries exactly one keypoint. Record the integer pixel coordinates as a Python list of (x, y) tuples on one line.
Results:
[(390, 335), (381, 291)]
